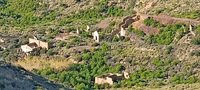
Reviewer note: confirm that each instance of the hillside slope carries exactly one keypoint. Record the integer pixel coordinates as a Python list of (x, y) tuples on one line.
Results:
[(161, 48), (15, 78)]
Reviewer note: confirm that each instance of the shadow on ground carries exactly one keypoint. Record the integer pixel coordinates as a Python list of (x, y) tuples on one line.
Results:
[(16, 78)]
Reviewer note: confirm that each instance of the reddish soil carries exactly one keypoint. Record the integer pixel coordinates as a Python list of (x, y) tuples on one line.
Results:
[(104, 24), (149, 30), (163, 19), (167, 20), (65, 36), (134, 38)]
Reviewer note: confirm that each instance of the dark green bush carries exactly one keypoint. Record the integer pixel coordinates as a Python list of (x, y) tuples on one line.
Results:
[(1, 49), (82, 75), (198, 30), (152, 22), (95, 44), (112, 23), (85, 34), (150, 39), (62, 44), (179, 79), (50, 52), (136, 31), (21, 13), (64, 5), (67, 46), (159, 11), (190, 15), (196, 40), (75, 41), (36, 52), (115, 39), (195, 53), (158, 62), (141, 76), (114, 11), (166, 35), (168, 50)]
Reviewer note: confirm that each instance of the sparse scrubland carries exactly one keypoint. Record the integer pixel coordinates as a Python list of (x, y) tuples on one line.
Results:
[(166, 60)]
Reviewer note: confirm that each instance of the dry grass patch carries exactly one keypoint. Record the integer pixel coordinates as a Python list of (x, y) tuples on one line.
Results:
[(38, 63), (194, 86)]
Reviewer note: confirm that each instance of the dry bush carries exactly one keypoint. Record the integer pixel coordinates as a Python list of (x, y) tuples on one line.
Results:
[(38, 63)]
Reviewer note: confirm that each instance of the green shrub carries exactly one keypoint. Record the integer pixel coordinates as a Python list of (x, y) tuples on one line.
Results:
[(152, 22), (168, 50), (50, 52), (62, 44), (82, 86), (70, 30), (196, 40), (95, 44), (158, 62), (64, 5), (181, 33), (85, 34), (114, 11), (75, 41), (43, 51), (195, 53), (52, 76), (62, 76), (122, 38), (132, 63), (22, 13), (112, 23), (141, 77), (178, 79), (36, 52), (49, 36), (191, 80), (81, 76), (136, 31), (150, 39), (115, 39), (159, 11), (139, 32), (67, 46), (198, 30), (190, 15), (87, 57), (166, 35), (43, 73)]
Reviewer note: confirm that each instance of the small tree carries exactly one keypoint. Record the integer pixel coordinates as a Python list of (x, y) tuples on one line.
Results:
[(196, 40), (115, 39), (168, 50), (50, 52)]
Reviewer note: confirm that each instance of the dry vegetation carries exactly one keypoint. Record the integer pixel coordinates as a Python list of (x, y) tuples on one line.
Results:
[(38, 63), (195, 86), (98, 58)]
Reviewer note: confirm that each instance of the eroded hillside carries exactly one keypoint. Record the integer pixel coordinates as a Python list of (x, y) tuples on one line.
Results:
[(16, 78), (156, 41)]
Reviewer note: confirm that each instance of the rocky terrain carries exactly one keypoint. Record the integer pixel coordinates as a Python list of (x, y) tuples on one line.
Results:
[(16, 78)]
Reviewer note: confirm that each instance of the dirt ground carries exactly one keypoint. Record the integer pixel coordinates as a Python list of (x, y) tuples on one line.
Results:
[(163, 19)]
